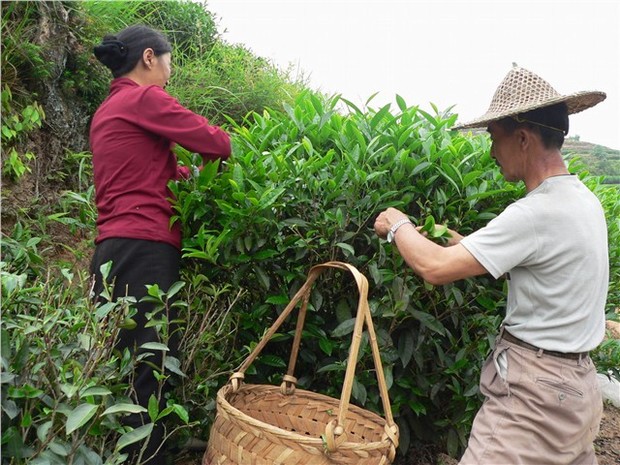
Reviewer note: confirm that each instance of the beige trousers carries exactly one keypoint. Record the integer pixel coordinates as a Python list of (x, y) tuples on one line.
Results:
[(546, 411)]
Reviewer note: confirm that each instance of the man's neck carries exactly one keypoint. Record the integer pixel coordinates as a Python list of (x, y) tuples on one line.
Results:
[(543, 166)]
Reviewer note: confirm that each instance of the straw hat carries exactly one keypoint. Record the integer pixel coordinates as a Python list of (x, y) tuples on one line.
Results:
[(522, 91)]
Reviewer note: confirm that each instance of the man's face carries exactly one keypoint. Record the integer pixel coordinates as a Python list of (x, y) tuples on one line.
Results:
[(504, 149)]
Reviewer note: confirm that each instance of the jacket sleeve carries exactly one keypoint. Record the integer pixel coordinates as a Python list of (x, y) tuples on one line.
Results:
[(162, 114)]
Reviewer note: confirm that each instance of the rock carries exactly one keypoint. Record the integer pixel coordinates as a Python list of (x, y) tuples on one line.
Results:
[(614, 328), (610, 389)]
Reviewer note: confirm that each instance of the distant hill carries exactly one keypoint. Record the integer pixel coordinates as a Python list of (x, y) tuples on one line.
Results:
[(600, 160), (573, 144)]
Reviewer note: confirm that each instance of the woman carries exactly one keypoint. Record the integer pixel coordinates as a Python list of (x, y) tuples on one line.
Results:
[(131, 137)]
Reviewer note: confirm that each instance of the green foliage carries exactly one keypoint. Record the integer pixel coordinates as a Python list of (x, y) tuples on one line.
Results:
[(15, 125), (210, 328), (610, 198), (601, 161), (189, 26), (20, 252), (21, 59), (606, 357), (108, 17), (57, 371), (304, 186), (229, 81), (77, 209), (63, 385), (307, 179), (612, 179)]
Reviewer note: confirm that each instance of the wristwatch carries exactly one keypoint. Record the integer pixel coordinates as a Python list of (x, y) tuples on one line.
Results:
[(394, 228)]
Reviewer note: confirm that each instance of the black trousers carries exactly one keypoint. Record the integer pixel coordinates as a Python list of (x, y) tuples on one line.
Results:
[(136, 263)]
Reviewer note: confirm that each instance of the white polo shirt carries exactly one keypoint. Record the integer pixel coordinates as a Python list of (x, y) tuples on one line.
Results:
[(553, 246)]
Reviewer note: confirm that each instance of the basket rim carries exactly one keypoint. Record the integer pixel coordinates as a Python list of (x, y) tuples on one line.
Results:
[(223, 402)]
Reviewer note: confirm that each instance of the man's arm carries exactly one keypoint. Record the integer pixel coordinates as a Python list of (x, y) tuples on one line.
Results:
[(434, 263)]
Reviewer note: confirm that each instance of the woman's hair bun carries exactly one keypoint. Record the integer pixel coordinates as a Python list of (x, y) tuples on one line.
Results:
[(122, 52), (111, 52)]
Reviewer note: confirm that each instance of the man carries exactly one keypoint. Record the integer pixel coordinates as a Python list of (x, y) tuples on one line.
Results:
[(542, 401)]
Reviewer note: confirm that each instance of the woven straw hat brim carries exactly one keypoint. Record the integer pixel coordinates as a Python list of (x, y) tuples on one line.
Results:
[(575, 102)]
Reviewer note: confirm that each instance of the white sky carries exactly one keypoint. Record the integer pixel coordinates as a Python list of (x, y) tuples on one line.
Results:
[(446, 52)]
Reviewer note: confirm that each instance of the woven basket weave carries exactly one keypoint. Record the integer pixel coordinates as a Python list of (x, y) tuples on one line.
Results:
[(271, 425)]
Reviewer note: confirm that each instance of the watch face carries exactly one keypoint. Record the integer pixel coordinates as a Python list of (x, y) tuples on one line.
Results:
[(390, 236)]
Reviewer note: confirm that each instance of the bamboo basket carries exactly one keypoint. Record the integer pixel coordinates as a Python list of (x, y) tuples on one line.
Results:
[(271, 425)]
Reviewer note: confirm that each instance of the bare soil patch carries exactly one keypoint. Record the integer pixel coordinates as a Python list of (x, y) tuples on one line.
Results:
[(608, 442)]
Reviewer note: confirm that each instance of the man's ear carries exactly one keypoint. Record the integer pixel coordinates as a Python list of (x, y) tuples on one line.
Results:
[(524, 137)]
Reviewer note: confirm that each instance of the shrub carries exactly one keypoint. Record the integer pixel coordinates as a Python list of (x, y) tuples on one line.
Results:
[(307, 179), (304, 186), (15, 126), (58, 373), (188, 24), (62, 383)]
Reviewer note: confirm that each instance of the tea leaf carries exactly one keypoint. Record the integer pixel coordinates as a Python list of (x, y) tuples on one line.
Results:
[(79, 417), (134, 436)]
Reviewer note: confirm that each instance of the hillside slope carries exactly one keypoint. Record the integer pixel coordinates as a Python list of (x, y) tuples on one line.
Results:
[(600, 160)]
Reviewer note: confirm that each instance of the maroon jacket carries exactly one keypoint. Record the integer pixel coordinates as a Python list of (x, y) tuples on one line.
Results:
[(131, 137)]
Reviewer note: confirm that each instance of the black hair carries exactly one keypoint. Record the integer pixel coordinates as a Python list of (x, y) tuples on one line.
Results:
[(551, 123), (122, 52)]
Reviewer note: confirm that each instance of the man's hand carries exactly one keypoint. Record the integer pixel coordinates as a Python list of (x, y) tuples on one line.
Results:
[(453, 237), (436, 264), (386, 219)]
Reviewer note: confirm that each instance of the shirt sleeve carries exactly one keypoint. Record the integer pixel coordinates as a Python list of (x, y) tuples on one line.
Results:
[(507, 241), (162, 114)]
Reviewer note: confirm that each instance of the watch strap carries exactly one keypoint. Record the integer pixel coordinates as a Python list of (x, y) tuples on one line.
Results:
[(394, 228)]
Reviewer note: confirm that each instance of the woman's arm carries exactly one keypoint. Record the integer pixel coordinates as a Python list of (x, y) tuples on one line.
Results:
[(162, 114)]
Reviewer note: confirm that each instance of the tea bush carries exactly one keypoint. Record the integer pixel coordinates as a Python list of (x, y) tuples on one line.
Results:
[(303, 187), (308, 177), (62, 384)]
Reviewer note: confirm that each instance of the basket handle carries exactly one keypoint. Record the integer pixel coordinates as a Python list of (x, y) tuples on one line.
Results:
[(363, 315)]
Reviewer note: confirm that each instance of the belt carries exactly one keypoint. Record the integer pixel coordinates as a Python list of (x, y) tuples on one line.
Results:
[(570, 355)]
